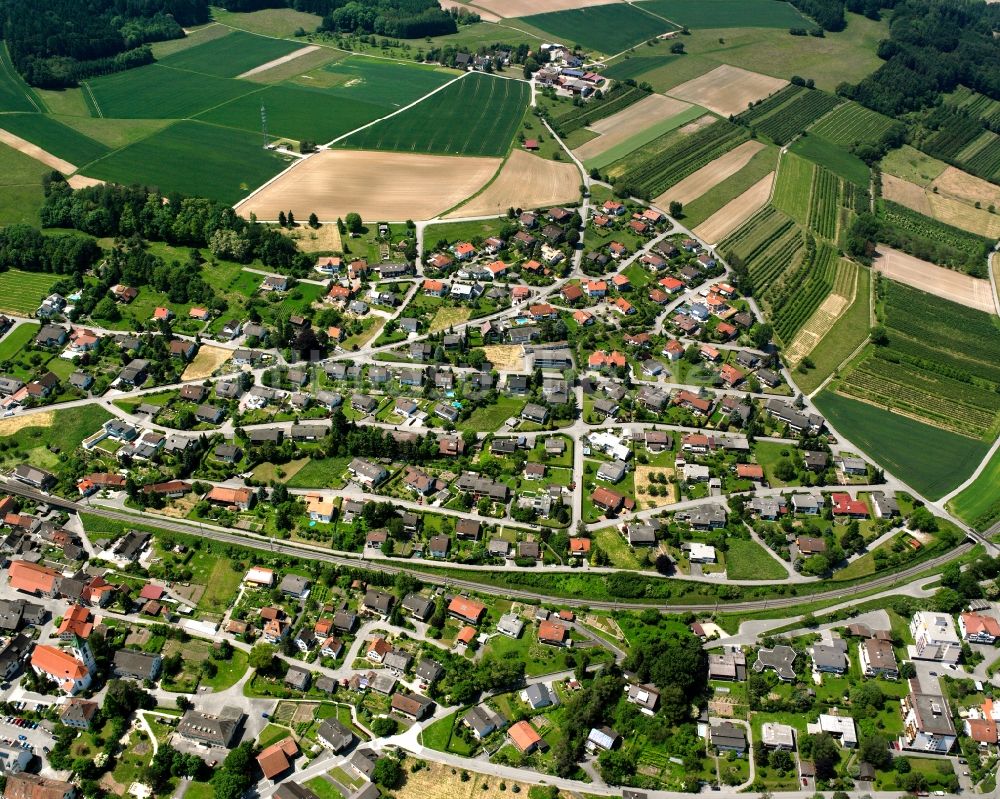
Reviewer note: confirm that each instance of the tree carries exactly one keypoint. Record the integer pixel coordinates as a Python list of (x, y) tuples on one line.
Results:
[(384, 727), (825, 755), (676, 209), (879, 336), (282, 220), (388, 773), (780, 760), (353, 222), (617, 766), (262, 657), (760, 334), (313, 220), (875, 750), (107, 309)]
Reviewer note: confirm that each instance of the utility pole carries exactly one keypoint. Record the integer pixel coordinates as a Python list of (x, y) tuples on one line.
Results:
[(263, 124)]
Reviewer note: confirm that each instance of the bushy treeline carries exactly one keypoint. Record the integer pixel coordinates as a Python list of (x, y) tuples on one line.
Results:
[(933, 46), (829, 14), (401, 19), (57, 43), (125, 211)]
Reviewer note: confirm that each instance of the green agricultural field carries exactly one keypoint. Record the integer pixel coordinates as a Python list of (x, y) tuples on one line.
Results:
[(114, 133), (979, 504), (728, 13), (929, 459), (847, 334), (159, 92), (231, 55), (222, 164), (15, 95), (390, 84), (20, 187), (853, 123), (22, 292), (608, 29), (636, 66), (793, 186), (295, 113), (837, 160), (476, 115), (53, 136), (642, 138)]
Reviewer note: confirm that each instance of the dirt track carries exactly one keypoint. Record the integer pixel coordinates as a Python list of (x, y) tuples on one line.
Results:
[(277, 62), (736, 212), (36, 152), (380, 186), (525, 8), (525, 181), (945, 283), (710, 175), (626, 123), (727, 90)]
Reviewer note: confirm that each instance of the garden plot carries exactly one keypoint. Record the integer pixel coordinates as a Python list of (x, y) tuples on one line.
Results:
[(376, 185), (945, 283), (524, 181), (711, 175), (619, 127), (736, 212), (728, 90)]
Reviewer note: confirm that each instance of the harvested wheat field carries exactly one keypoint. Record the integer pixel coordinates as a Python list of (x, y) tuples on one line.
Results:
[(905, 193), (622, 126), (12, 425), (325, 238), (823, 319), (642, 484), (438, 781), (944, 208), (205, 362), (736, 212), (36, 152), (525, 181), (525, 8), (963, 186), (484, 15), (83, 182), (710, 175), (945, 283), (727, 90), (380, 186), (505, 357)]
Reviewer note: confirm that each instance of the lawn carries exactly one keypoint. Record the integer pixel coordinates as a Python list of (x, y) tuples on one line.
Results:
[(490, 417), (930, 460), (221, 581), (748, 560), (452, 232), (272, 733), (846, 335), (609, 29), (728, 13), (610, 542), (837, 160), (19, 336), (55, 137), (29, 439), (230, 55), (439, 736), (769, 454), (22, 292), (229, 673), (979, 504), (323, 788), (325, 473), (193, 158), (537, 658), (476, 115), (20, 187)]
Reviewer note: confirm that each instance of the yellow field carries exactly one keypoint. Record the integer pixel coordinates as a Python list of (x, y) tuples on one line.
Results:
[(449, 317), (205, 362), (438, 781), (642, 484), (325, 238), (12, 425), (506, 357)]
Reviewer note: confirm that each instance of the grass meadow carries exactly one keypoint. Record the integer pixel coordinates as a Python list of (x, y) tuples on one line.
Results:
[(477, 115), (839, 161), (929, 459), (220, 162), (979, 504), (609, 29)]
